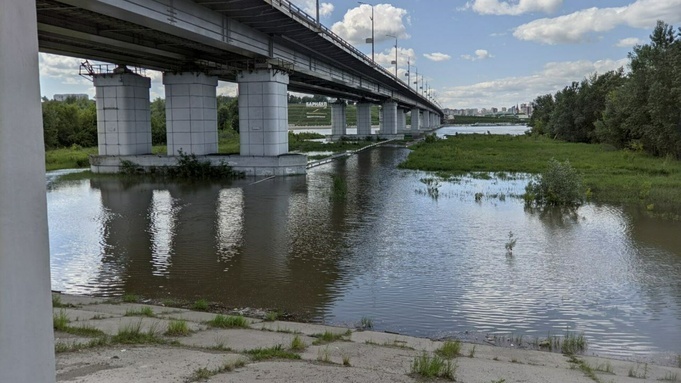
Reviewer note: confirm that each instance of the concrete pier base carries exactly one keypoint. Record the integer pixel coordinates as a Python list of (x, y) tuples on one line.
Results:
[(123, 117), (26, 336), (425, 121), (339, 122), (363, 119), (389, 121), (191, 113), (263, 112), (415, 120)]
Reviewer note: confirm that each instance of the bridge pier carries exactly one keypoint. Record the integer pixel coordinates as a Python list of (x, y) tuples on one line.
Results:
[(26, 335), (263, 112), (415, 120), (191, 113), (363, 119), (338, 120), (123, 117), (401, 120), (426, 120), (389, 123)]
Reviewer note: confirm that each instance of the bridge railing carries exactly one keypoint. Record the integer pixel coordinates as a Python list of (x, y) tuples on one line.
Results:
[(312, 24)]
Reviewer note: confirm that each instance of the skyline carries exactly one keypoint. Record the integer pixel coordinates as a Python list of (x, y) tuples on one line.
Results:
[(473, 54)]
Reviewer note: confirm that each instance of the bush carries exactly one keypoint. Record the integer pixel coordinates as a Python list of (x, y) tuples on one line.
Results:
[(559, 185)]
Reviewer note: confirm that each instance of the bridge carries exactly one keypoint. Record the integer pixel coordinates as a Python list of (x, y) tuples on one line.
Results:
[(267, 46)]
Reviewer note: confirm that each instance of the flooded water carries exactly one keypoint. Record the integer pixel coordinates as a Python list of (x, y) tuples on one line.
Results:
[(416, 261)]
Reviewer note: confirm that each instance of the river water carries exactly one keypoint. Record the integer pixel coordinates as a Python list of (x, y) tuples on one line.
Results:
[(415, 261)]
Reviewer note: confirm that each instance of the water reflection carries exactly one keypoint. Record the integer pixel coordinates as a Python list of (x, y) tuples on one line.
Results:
[(388, 251)]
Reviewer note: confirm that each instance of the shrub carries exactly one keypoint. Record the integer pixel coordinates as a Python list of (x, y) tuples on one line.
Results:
[(559, 185)]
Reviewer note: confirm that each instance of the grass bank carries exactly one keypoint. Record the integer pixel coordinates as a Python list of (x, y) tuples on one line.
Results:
[(613, 176)]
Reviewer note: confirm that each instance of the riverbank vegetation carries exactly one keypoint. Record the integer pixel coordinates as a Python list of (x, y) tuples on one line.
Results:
[(608, 175)]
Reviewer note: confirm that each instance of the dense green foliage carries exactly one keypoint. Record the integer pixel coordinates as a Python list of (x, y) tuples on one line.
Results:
[(640, 110), (69, 123), (559, 185), (616, 176)]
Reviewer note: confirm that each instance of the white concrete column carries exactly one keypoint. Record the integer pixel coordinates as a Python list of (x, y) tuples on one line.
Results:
[(26, 336), (191, 113), (415, 119), (263, 112), (401, 119), (426, 120), (123, 117), (339, 122), (389, 123), (363, 119)]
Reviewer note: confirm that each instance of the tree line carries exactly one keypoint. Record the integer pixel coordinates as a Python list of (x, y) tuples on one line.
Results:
[(73, 122), (639, 110)]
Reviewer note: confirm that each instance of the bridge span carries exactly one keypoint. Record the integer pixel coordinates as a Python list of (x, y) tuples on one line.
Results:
[(268, 47)]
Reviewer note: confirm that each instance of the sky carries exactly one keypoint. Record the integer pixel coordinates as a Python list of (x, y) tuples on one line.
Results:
[(471, 54)]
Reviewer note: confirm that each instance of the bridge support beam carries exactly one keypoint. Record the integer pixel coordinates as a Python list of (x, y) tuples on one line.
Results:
[(123, 118), (263, 112), (401, 120), (191, 113), (389, 123), (26, 335), (338, 119), (415, 119), (363, 119)]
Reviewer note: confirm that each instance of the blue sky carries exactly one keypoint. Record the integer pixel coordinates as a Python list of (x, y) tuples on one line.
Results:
[(473, 54)]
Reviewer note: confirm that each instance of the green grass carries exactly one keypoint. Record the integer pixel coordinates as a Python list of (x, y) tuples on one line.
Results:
[(276, 352), (200, 305), (131, 298), (68, 158), (61, 322), (433, 367), (133, 334), (177, 328), (450, 349), (222, 321), (271, 316), (585, 368), (144, 312), (204, 373), (57, 303), (78, 346), (610, 175), (573, 344), (328, 337), (298, 344)]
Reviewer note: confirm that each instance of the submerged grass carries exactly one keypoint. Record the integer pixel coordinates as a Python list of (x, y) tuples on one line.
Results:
[(610, 176)]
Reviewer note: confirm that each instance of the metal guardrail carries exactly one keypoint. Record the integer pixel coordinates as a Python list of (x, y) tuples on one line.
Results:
[(312, 24), (88, 69)]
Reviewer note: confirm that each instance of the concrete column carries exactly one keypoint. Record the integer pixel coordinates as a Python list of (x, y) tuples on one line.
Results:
[(263, 112), (191, 113), (339, 122), (401, 120), (123, 117), (415, 119), (389, 123), (26, 336), (363, 119), (426, 120)]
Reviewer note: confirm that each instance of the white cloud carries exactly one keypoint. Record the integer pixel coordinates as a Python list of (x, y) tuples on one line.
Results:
[(310, 7), (356, 24), (629, 42), (576, 27), (480, 54), (512, 90), (513, 7), (437, 56), (386, 58)]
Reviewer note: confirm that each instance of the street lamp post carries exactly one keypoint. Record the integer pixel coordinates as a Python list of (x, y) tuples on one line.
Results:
[(317, 13), (395, 62), (408, 74), (372, 40)]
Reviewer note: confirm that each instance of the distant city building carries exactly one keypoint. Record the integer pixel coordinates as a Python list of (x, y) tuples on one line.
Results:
[(77, 96)]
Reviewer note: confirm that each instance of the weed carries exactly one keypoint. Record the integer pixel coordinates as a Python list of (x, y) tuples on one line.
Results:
[(328, 337), (228, 321), (510, 244), (56, 302), (346, 361), (131, 298), (636, 373), (133, 334), (585, 368), (450, 349), (200, 305), (145, 311), (271, 316), (177, 328), (573, 344), (433, 367), (77, 346), (670, 377), (605, 367), (297, 344), (366, 323), (323, 355), (60, 321), (271, 353), (471, 353)]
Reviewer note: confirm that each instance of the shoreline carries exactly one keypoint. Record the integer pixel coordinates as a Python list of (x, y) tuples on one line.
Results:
[(306, 351)]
